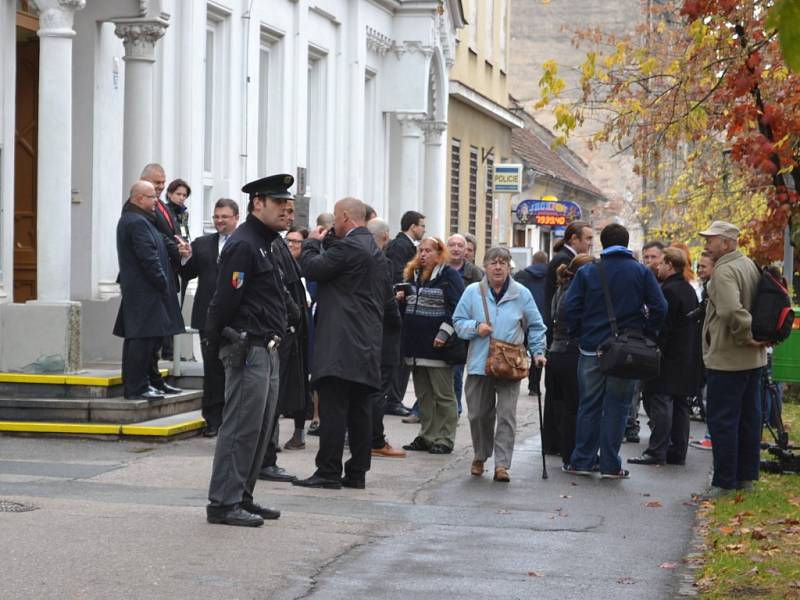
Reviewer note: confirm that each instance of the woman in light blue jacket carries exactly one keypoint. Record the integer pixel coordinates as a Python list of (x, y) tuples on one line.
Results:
[(512, 313)]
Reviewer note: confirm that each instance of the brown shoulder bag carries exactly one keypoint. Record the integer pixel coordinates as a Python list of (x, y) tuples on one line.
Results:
[(505, 360)]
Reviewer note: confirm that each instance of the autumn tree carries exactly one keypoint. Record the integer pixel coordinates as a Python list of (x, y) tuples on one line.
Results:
[(702, 96)]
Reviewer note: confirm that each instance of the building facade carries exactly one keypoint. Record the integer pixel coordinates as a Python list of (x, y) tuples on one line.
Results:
[(480, 124), (347, 95)]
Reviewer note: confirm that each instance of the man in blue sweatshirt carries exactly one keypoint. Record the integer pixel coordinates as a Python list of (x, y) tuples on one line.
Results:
[(638, 303)]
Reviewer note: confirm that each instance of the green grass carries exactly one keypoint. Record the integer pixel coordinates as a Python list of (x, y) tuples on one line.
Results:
[(752, 539)]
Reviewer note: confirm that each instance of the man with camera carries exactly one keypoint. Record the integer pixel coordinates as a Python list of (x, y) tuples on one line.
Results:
[(604, 400), (246, 319), (734, 361)]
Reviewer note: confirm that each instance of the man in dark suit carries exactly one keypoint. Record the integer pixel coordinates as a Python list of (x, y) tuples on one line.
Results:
[(399, 251), (149, 308), (350, 275), (203, 265), (178, 249), (577, 240)]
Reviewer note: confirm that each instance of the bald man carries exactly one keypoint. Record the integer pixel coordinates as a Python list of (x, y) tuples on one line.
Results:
[(149, 309), (353, 290)]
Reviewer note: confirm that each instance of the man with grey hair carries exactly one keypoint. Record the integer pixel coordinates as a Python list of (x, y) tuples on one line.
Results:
[(457, 246), (380, 400), (351, 295), (325, 220), (734, 362)]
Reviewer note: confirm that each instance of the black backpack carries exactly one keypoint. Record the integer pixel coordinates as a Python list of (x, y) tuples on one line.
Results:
[(772, 311)]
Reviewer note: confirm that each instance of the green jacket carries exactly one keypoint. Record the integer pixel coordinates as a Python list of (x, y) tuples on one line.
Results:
[(726, 330)]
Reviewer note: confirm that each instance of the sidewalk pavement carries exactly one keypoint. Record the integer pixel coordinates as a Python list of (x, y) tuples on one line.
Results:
[(126, 520)]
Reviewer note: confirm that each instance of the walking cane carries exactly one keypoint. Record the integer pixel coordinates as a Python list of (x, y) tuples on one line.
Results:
[(541, 436)]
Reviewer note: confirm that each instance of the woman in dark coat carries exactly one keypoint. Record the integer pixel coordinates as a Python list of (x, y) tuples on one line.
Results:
[(667, 396), (561, 375)]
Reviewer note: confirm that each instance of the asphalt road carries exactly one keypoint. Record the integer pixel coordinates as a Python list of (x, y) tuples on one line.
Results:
[(127, 520)]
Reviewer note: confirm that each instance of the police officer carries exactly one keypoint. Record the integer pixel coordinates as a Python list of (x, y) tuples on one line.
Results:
[(245, 319)]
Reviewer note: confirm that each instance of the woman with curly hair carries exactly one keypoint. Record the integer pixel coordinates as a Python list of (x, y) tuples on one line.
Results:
[(428, 303)]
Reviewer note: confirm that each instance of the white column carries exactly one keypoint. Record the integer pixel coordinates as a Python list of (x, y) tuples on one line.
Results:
[(410, 160), (54, 177), (139, 37), (434, 203)]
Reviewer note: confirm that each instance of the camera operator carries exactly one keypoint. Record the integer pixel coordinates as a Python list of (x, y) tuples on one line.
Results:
[(248, 312)]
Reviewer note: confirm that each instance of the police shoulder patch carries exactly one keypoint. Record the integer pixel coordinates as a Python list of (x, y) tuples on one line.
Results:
[(237, 279)]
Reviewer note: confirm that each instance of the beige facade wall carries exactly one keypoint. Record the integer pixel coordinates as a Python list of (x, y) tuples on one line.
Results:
[(482, 51), (470, 129)]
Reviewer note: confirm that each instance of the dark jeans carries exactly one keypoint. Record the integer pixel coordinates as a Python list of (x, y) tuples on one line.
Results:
[(458, 384), (378, 400), (562, 392), (669, 426), (213, 386), (733, 407), (602, 412), (137, 365), (343, 407)]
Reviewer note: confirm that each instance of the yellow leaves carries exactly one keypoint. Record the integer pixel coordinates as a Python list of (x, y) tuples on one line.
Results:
[(550, 84), (566, 119), (589, 66), (697, 120), (778, 74)]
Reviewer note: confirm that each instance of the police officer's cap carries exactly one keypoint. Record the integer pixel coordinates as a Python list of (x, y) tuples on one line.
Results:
[(274, 186)]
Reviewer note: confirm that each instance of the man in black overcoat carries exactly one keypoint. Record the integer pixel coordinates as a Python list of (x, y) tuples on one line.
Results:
[(577, 240), (203, 265), (667, 396), (349, 272), (149, 308), (294, 392), (399, 252)]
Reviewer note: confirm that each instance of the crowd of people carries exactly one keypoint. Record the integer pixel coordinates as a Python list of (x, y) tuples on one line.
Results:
[(328, 325)]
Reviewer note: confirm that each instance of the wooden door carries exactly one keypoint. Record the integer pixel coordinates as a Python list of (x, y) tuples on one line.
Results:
[(25, 158)]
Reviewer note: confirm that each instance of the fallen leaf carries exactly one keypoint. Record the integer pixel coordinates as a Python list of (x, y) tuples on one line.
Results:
[(738, 499), (757, 559), (726, 530), (573, 483), (794, 501), (758, 534), (668, 565), (734, 548), (646, 495), (794, 584), (626, 580), (773, 571), (653, 504), (753, 571), (534, 574)]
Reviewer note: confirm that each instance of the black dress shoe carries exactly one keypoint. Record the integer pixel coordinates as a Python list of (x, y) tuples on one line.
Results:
[(265, 513), (148, 395), (419, 444), (645, 459), (315, 481), (232, 515), (678, 462), (168, 389), (356, 484), (275, 473), (211, 431), (440, 449), (397, 409)]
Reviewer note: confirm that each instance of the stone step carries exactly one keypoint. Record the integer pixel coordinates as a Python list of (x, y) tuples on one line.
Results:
[(96, 410), (89, 384), (175, 426)]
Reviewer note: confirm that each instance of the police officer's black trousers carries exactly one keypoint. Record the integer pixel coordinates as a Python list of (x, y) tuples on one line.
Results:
[(344, 406), (137, 359), (251, 396)]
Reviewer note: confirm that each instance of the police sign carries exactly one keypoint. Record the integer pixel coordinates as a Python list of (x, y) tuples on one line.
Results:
[(508, 179)]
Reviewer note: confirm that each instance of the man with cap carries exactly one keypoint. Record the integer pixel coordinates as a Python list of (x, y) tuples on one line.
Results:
[(246, 319), (734, 361)]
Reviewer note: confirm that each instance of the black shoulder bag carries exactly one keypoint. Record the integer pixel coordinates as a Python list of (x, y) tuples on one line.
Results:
[(630, 354)]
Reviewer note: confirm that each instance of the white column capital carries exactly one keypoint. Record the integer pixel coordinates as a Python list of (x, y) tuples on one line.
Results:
[(434, 131), (139, 36), (57, 16), (411, 123)]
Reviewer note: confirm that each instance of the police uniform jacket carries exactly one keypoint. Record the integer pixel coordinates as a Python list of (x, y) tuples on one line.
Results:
[(351, 294), (149, 305), (249, 295)]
